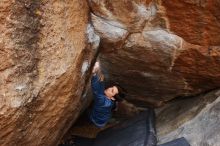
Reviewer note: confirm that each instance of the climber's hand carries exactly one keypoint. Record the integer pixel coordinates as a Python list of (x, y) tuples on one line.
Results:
[(96, 70)]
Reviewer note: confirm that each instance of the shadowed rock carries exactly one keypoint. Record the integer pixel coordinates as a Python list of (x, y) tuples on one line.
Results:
[(196, 119)]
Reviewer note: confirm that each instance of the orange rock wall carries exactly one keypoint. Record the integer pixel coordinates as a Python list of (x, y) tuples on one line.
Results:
[(45, 58), (195, 21)]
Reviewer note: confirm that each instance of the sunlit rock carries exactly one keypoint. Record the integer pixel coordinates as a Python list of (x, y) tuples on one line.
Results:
[(46, 50)]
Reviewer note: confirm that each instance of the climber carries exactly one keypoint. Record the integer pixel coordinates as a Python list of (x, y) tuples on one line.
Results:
[(105, 98)]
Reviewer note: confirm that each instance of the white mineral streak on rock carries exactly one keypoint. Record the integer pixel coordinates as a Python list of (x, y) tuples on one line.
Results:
[(199, 127), (16, 102), (93, 38), (153, 9), (146, 12), (163, 37), (146, 74), (84, 94), (110, 30), (142, 11), (85, 67), (173, 61), (20, 87), (21, 95)]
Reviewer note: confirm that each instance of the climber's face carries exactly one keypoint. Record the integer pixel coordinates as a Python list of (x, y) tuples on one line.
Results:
[(111, 92)]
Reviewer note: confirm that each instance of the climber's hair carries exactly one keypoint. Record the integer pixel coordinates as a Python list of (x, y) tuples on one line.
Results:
[(121, 91)]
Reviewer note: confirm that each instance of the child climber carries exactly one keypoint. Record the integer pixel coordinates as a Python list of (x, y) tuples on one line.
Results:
[(105, 98)]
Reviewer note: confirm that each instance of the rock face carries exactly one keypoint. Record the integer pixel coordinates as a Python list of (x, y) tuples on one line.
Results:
[(46, 48), (196, 119), (159, 50)]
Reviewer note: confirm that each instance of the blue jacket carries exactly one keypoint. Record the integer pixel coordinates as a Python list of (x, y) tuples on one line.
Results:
[(101, 110)]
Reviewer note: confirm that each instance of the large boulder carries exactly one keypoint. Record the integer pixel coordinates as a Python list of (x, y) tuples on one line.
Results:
[(46, 49), (197, 119), (159, 50)]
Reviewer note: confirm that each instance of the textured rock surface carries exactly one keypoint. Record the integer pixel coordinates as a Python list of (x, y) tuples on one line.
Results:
[(45, 56), (196, 21), (160, 49), (197, 119), (157, 50)]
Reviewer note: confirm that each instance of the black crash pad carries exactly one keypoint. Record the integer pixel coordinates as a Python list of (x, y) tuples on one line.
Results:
[(138, 131), (177, 142)]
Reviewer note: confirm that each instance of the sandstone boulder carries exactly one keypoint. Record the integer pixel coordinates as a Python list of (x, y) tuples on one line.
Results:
[(46, 50), (196, 119), (159, 50)]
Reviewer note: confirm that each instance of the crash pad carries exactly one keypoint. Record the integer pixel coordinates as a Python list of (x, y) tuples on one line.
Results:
[(137, 131), (177, 142)]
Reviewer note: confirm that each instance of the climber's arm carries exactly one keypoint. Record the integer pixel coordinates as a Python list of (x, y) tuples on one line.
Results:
[(97, 80)]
